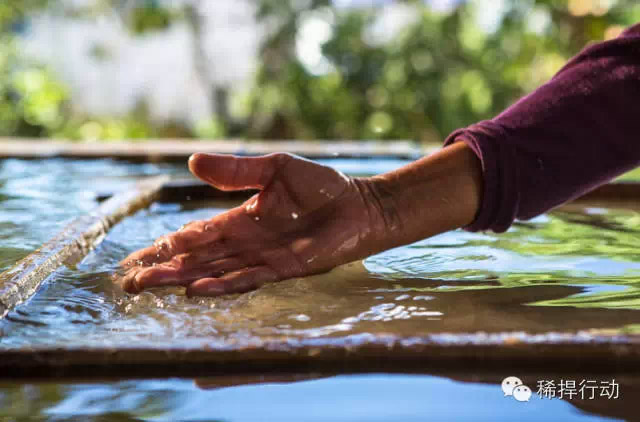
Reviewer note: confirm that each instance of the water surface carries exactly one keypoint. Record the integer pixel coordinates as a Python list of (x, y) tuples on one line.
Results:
[(567, 272), (572, 271), (372, 397)]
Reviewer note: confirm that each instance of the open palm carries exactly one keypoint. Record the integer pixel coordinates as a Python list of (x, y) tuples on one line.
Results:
[(307, 218)]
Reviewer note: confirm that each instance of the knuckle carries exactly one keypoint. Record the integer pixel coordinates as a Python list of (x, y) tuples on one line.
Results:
[(179, 263), (166, 245), (282, 158)]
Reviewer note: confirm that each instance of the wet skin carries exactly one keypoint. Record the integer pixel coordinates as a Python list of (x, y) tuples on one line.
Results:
[(306, 219)]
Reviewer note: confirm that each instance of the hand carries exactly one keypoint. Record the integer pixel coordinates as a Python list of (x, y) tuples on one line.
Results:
[(306, 219)]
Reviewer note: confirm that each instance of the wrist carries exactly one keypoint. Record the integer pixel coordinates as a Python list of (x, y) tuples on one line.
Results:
[(384, 222), (435, 194)]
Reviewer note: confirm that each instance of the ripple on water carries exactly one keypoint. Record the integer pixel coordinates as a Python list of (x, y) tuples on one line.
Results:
[(580, 271)]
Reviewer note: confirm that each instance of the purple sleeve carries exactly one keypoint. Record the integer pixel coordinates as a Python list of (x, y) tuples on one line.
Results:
[(572, 134)]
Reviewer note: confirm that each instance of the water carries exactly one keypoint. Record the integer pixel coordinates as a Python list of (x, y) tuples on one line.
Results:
[(372, 397), (567, 272), (39, 197), (574, 271)]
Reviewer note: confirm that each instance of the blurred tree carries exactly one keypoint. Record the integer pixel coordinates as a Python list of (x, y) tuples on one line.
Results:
[(31, 101), (34, 103), (397, 70), (443, 70), (150, 15)]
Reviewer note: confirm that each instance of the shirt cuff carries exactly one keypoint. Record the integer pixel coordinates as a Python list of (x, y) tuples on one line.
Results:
[(500, 198)]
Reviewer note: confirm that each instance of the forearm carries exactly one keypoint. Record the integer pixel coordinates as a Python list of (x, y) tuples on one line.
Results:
[(572, 134), (435, 194)]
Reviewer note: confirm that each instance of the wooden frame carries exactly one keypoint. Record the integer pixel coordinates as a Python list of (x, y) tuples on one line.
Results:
[(22, 280), (568, 353), (376, 353), (180, 150)]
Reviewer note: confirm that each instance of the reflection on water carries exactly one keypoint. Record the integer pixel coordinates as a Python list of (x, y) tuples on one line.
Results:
[(39, 197), (571, 271), (566, 272), (375, 397)]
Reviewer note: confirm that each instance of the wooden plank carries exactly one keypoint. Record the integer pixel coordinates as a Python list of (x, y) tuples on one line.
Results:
[(180, 150), (71, 245), (567, 353)]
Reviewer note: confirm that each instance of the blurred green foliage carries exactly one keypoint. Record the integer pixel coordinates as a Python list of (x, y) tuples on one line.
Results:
[(440, 72), (325, 74), (150, 16), (34, 103), (31, 100)]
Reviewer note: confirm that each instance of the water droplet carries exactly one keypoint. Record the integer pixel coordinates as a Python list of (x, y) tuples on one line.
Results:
[(294, 215), (300, 317), (251, 206)]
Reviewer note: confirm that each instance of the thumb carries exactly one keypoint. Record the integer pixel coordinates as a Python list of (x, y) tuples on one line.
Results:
[(232, 172)]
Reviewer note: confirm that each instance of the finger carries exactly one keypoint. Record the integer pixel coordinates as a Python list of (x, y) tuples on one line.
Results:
[(194, 235), (231, 172), (197, 234), (140, 257), (165, 275), (203, 255), (234, 282), (128, 281), (134, 265)]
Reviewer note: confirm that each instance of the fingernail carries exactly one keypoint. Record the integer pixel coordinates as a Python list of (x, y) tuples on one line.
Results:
[(136, 286), (139, 279), (130, 285)]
